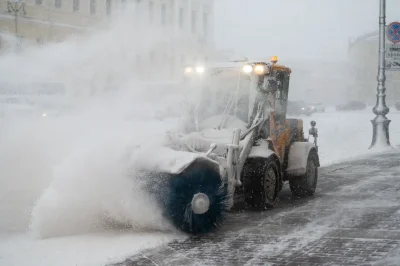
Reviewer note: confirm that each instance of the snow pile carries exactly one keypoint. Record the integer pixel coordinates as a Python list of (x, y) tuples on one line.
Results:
[(343, 136), (91, 250)]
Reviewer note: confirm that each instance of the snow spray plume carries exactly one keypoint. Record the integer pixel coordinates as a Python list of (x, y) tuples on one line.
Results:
[(64, 175), (175, 192), (95, 188)]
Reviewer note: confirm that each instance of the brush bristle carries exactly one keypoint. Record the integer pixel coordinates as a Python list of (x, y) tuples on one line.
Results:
[(175, 193)]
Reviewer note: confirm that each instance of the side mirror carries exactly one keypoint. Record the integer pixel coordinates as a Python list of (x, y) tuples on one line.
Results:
[(314, 132)]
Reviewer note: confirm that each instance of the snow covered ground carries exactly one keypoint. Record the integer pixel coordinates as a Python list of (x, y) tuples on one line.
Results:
[(346, 135), (77, 201), (96, 249)]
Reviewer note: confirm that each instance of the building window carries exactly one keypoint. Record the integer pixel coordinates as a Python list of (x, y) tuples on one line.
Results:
[(75, 5), (194, 21), (38, 2), (151, 11), (92, 7), (108, 7), (205, 24), (181, 17), (163, 14), (57, 3)]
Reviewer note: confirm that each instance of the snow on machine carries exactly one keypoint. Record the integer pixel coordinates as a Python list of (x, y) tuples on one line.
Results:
[(234, 139)]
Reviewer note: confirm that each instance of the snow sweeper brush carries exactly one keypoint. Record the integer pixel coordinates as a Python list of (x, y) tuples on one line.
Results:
[(191, 193), (195, 200)]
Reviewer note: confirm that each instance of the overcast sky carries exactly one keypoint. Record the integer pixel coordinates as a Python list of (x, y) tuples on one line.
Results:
[(296, 28)]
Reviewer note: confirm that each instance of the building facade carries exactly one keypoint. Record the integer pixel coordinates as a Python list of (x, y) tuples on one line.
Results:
[(186, 24), (363, 54)]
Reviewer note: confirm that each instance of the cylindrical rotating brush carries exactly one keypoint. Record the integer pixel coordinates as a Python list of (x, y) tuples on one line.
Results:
[(195, 200)]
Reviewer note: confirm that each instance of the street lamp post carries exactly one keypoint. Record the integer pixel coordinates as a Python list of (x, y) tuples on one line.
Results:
[(381, 122), (15, 7)]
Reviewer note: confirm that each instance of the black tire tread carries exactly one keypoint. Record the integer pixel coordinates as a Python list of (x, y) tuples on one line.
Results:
[(253, 183), (299, 186)]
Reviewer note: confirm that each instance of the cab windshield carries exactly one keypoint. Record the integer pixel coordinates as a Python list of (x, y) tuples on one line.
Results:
[(224, 92)]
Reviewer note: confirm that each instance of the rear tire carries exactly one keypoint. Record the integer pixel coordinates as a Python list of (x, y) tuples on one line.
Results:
[(305, 185), (261, 183)]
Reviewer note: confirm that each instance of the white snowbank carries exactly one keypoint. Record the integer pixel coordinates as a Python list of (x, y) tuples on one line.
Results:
[(90, 250), (348, 135)]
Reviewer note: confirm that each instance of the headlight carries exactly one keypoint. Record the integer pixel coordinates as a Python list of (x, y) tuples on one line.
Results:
[(247, 69), (188, 70), (200, 69), (44, 114), (260, 69)]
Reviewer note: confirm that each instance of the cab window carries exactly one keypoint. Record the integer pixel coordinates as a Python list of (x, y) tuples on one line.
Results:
[(281, 95)]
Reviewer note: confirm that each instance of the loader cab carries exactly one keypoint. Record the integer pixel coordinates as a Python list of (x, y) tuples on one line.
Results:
[(236, 88)]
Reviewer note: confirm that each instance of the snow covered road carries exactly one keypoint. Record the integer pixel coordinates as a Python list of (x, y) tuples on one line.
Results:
[(342, 136), (352, 220)]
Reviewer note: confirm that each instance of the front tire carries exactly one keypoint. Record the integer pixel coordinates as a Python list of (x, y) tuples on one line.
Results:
[(261, 183), (305, 185)]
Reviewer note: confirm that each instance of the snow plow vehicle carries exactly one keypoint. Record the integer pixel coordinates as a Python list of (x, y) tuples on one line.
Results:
[(233, 139)]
